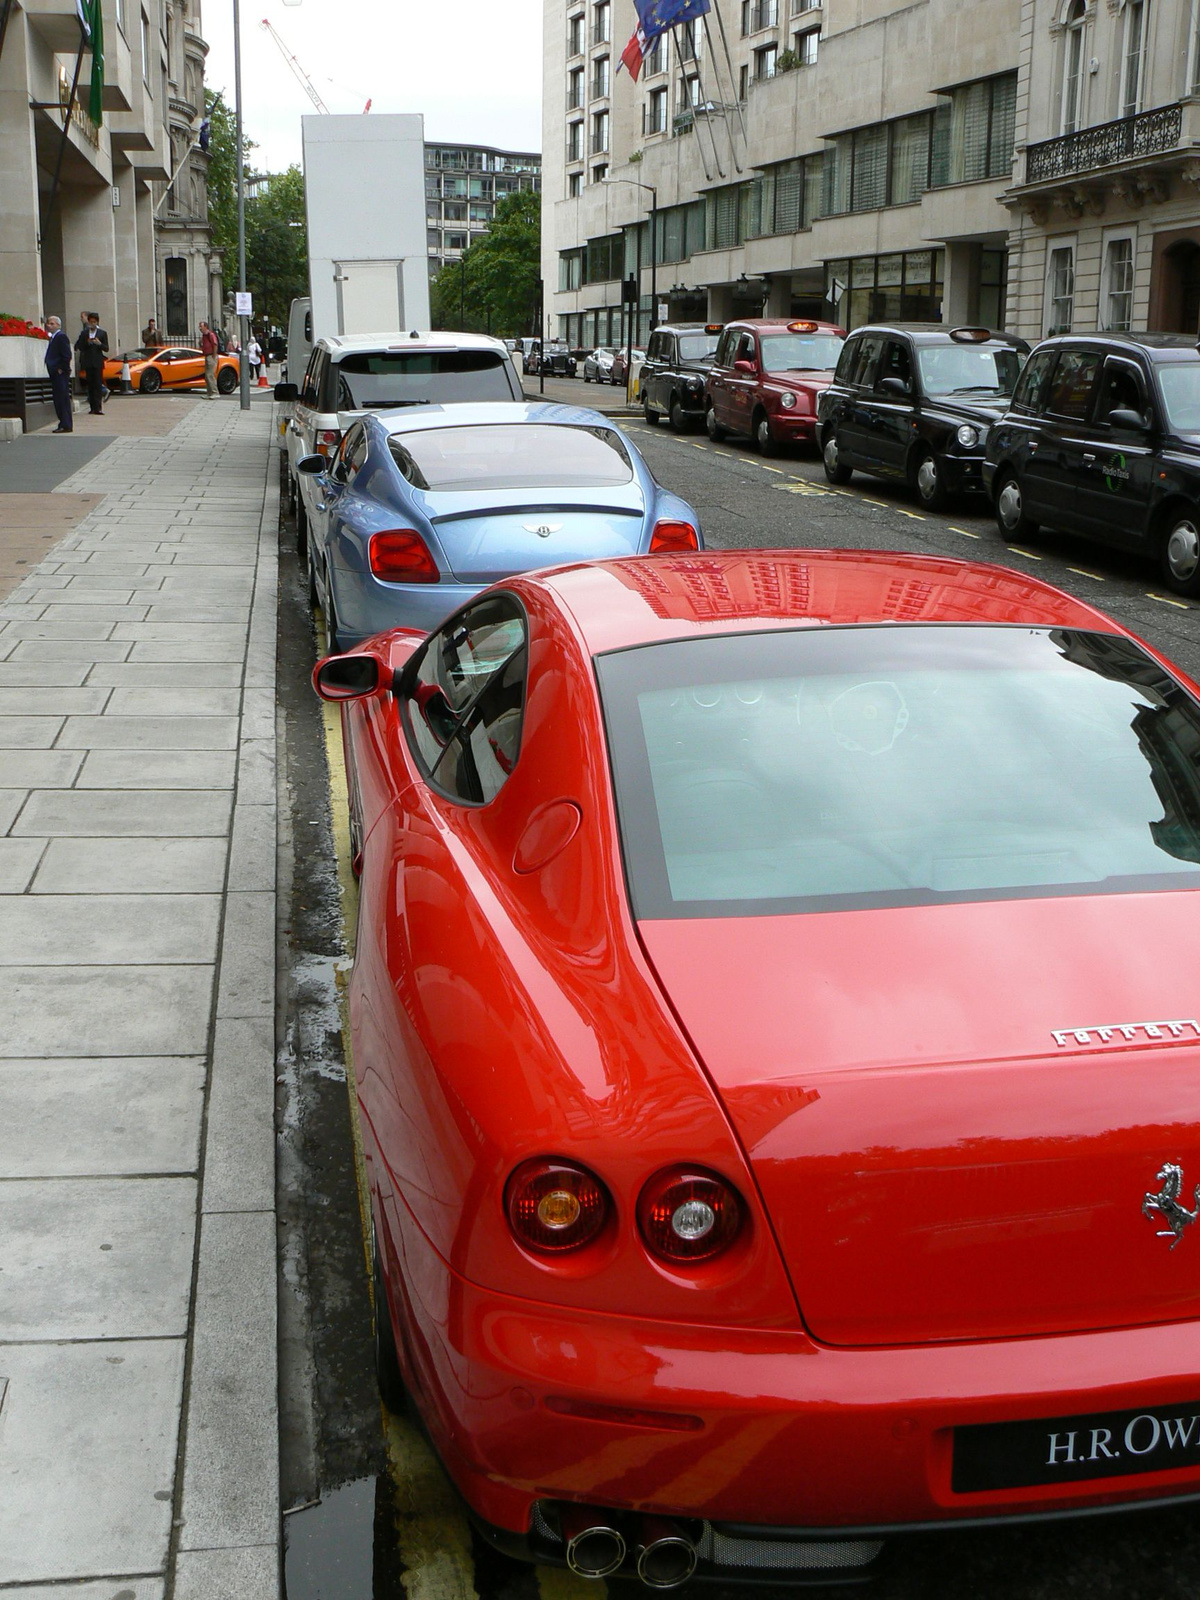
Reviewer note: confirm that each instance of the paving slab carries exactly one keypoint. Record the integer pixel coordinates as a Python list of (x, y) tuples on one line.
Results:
[(121, 813), (114, 732), (87, 1447), (44, 674), (68, 650), (18, 863), (131, 866), (83, 930), (117, 1588), (39, 769), (11, 803), (145, 674), (248, 1573), (29, 733), (173, 700), (79, 1118), (158, 769), (104, 1011)]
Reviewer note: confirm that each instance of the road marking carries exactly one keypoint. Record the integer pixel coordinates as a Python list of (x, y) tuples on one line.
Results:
[(766, 468), (966, 532), (1028, 554), (867, 502), (1164, 601), (801, 487), (915, 515), (1084, 573)]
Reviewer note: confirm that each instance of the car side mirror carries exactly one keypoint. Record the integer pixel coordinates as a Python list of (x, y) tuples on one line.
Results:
[(1131, 421), (361, 676), (287, 391), (312, 466), (896, 386), (746, 367)]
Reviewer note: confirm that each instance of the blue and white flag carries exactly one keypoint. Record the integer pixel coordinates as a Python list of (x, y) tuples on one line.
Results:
[(657, 16)]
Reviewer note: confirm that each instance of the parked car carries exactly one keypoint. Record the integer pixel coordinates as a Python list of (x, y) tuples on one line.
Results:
[(754, 1022), (557, 360), (678, 361), (914, 401), (1102, 439), (175, 366), (597, 368), (766, 378), (529, 353), (620, 366), (347, 377), (419, 512)]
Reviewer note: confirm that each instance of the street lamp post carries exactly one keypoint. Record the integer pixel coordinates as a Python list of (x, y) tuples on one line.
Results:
[(243, 322), (653, 193)]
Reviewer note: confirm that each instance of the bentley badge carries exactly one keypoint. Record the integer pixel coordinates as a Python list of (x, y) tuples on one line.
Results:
[(542, 529)]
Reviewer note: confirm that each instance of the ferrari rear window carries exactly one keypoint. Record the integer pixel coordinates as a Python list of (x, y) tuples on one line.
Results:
[(836, 768), (513, 455)]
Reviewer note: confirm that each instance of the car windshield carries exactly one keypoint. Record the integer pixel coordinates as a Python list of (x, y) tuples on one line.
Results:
[(969, 368), (383, 380), (800, 352), (137, 355), (513, 455), (838, 768), (1179, 382), (698, 346)]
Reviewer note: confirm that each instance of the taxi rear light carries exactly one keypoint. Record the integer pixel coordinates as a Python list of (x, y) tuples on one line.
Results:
[(401, 556), (327, 441), (673, 536), (970, 335)]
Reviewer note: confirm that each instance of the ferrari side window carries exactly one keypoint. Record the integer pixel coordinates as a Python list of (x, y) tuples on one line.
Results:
[(484, 751)]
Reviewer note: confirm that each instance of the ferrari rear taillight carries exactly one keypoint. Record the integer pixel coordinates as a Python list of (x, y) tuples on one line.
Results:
[(401, 556), (327, 441), (687, 1214), (554, 1205), (668, 536)]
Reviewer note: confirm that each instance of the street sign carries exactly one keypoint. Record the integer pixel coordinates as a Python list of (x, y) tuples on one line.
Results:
[(663, 310), (243, 304)]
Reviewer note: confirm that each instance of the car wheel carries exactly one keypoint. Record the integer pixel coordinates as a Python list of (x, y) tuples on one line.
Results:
[(1010, 510), (227, 380), (831, 459), (388, 1372), (929, 482), (680, 420), (1181, 553), (763, 437), (712, 427), (586, 379), (151, 381), (652, 417)]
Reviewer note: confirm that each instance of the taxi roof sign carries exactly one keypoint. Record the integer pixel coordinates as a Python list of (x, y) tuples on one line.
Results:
[(803, 326), (970, 335), (714, 327)]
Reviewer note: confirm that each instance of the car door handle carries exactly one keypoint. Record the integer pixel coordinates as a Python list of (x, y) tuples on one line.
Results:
[(1089, 455)]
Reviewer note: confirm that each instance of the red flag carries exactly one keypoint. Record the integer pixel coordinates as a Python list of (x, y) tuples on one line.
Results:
[(631, 56)]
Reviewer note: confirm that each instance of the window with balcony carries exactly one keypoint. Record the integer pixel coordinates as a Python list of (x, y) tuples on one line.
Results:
[(575, 34), (600, 78), (689, 37), (1117, 293), (654, 119), (805, 5), (689, 90), (602, 23), (806, 45), (454, 211), (575, 141), (764, 62), (656, 57), (1060, 290), (575, 89), (759, 14), (455, 241), (1072, 85), (1133, 57), (599, 133)]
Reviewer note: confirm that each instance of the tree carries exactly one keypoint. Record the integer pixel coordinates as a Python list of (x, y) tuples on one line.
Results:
[(494, 286), (222, 175), (277, 246)]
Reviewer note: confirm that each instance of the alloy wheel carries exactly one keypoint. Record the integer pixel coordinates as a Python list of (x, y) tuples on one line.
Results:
[(1181, 555)]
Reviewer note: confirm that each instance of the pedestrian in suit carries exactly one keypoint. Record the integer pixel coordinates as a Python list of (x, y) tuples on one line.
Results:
[(92, 345), (151, 338), (58, 365)]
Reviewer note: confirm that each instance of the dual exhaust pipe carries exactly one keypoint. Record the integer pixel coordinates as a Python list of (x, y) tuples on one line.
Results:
[(665, 1555)]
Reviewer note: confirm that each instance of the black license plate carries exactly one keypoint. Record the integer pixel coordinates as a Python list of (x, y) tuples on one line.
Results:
[(1108, 1444)]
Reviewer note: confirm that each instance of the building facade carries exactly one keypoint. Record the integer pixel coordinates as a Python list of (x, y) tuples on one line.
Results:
[(462, 185), (1019, 163), (89, 219)]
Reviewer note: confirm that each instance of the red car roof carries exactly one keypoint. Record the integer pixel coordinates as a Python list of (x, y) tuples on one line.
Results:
[(645, 599)]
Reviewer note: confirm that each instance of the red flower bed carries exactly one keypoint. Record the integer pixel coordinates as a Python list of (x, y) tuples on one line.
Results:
[(18, 328)]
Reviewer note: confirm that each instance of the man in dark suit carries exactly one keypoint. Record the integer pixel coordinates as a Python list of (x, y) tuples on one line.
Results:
[(58, 365), (92, 345)]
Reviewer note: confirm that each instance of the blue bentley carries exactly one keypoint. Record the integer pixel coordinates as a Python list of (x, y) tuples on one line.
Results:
[(416, 513)]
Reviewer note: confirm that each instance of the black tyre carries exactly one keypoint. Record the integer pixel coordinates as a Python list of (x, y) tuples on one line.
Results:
[(392, 1390), (652, 417), (763, 437), (680, 420), (930, 482), (831, 459), (712, 427), (227, 380), (1009, 506), (151, 381), (1180, 552)]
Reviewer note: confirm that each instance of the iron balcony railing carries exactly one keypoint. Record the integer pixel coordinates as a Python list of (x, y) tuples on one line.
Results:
[(1147, 134)]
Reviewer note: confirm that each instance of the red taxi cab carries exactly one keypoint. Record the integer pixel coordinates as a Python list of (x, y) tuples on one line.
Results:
[(766, 378)]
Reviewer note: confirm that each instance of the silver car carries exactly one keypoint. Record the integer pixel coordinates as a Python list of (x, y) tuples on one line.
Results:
[(597, 368)]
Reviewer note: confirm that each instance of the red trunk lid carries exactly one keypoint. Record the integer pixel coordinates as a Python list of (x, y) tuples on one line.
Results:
[(936, 1164)]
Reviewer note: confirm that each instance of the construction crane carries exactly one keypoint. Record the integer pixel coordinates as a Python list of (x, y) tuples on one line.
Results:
[(301, 76)]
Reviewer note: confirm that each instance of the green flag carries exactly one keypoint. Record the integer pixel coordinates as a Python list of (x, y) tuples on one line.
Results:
[(91, 20)]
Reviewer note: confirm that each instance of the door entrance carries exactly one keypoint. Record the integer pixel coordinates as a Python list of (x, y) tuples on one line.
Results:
[(1179, 305)]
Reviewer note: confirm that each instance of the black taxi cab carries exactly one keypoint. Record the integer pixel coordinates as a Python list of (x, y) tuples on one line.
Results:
[(915, 401), (672, 381), (765, 379), (1102, 438)]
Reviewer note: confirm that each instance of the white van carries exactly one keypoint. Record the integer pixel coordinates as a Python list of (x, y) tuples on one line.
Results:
[(299, 340)]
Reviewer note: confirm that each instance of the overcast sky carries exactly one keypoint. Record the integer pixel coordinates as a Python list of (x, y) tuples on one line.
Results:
[(473, 67)]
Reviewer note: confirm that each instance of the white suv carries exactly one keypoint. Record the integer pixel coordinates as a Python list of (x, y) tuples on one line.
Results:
[(347, 377)]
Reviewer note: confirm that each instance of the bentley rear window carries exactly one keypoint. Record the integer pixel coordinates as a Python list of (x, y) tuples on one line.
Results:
[(512, 455), (836, 768)]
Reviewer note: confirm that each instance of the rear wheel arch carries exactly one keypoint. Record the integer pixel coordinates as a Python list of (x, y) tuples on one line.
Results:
[(1175, 534)]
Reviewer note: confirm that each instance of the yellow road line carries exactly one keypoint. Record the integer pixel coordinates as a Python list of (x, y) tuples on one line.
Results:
[(1017, 551), (766, 468), (1084, 573), (915, 515), (867, 502), (1164, 601)]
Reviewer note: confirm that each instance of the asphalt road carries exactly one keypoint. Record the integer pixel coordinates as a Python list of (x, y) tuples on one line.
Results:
[(386, 1525)]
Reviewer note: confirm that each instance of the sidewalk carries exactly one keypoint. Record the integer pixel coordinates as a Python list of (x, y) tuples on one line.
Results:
[(138, 1405)]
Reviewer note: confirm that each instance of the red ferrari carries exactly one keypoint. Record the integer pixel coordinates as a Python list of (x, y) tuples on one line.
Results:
[(778, 1058)]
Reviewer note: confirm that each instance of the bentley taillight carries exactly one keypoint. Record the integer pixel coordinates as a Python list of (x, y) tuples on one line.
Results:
[(687, 1214), (668, 536), (401, 556), (554, 1205)]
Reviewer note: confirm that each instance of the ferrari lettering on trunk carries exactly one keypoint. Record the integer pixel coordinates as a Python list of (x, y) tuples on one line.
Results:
[(1119, 1033)]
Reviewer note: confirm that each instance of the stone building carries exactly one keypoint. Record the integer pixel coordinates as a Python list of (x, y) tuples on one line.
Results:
[(462, 185), (110, 236), (1020, 163)]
